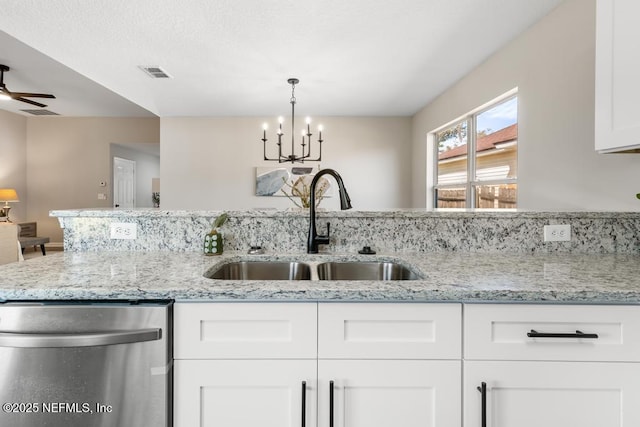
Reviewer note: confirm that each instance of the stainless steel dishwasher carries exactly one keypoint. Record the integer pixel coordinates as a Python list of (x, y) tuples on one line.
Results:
[(86, 364)]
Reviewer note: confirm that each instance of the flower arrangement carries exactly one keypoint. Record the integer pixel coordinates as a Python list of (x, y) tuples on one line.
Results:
[(219, 221), (300, 191)]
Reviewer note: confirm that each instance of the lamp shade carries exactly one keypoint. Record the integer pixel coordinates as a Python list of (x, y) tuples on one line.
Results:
[(8, 195)]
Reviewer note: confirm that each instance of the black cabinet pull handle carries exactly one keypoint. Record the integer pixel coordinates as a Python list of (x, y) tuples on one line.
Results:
[(577, 334), (483, 411), (304, 403), (330, 403)]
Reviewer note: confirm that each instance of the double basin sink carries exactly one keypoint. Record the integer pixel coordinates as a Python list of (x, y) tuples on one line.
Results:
[(285, 270)]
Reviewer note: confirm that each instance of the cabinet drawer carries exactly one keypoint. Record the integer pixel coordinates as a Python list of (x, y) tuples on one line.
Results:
[(389, 331), (548, 332), (245, 330)]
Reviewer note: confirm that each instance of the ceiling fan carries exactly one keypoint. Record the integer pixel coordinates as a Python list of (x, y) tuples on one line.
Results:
[(19, 96)]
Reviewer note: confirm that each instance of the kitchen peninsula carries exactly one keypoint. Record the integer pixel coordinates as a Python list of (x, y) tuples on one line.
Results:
[(461, 256), (497, 316)]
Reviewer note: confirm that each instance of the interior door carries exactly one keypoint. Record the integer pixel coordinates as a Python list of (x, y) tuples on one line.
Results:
[(124, 183)]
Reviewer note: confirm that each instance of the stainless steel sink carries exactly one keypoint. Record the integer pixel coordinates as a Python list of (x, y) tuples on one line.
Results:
[(262, 270), (365, 271)]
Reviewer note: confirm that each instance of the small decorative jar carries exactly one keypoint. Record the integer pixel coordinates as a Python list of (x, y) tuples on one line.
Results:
[(213, 240), (213, 243)]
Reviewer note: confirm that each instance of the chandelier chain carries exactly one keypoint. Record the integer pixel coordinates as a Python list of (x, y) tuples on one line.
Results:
[(293, 93)]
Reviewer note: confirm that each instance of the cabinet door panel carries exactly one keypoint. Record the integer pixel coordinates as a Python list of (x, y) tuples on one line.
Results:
[(499, 332), (379, 393), (553, 394), (389, 331), (245, 330), (244, 393), (617, 122)]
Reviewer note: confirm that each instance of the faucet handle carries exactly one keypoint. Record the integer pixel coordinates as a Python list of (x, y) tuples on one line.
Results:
[(324, 239)]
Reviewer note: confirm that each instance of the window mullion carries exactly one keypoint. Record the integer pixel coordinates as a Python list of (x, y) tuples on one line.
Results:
[(471, 161)]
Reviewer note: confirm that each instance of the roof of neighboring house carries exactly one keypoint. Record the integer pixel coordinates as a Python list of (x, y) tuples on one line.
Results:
[(484, 143)]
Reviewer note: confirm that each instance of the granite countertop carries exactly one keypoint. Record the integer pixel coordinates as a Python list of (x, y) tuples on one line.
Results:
[(447, 277)]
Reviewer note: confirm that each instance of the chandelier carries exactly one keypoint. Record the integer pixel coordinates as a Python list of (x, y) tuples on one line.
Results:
[(306, 133)]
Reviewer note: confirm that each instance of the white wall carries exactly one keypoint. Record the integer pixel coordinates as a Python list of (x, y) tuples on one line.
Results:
[(13, 161), (552, 64), (209, 163), (147, 168)]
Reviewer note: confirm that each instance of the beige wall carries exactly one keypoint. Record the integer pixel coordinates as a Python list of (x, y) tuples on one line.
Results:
[(552, 64), (209, 163), (147, 168), (67, 159), (13, 160)]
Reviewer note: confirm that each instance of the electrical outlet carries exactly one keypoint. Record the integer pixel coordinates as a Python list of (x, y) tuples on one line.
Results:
[(124, 230), (557, 233)]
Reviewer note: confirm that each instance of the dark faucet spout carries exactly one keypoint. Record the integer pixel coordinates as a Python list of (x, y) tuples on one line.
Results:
[(314, 239)]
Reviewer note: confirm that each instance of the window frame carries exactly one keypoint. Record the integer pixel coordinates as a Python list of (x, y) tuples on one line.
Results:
[(470, 184)]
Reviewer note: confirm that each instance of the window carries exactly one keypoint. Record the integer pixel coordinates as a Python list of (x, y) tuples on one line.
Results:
[(486, 178)]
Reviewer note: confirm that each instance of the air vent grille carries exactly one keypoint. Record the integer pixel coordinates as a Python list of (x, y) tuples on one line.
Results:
[(155, 71), (41, 112)]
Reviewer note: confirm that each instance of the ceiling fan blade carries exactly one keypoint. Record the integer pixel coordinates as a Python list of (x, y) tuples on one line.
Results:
[(31, 95), (28, 101), (21, 96)]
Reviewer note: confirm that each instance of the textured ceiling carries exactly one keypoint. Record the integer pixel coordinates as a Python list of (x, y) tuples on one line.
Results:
[(233, 57)]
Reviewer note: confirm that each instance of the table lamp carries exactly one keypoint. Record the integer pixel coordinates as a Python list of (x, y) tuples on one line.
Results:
[(8, 195)]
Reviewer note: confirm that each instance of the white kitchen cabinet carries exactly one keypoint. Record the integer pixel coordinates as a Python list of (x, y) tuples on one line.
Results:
[(381, 364), (551, 365), (245, 393), (390, 364), (244, 364), (389, 331), (245, 331), (552, 394), (617, 117), (503, 332), (383, 393)]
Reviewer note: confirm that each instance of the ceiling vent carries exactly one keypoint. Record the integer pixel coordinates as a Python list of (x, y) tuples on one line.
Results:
[(155, 71), (41, 112)]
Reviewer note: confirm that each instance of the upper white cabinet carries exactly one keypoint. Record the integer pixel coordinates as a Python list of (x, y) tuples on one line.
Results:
[(617, 115)]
